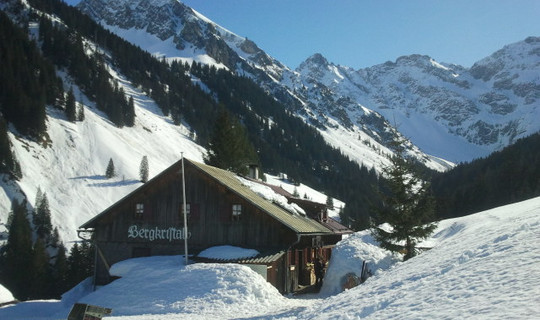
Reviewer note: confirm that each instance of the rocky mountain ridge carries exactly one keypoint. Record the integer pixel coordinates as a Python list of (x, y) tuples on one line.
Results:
[(487, 107), (189, 31)]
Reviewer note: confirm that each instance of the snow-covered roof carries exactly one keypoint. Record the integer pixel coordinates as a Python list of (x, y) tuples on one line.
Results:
[(227, 253), (297, 222), (231, 254)]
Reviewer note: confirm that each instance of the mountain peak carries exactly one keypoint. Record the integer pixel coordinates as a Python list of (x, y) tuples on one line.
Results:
[(316, 64), (522, 55), (415, 60), (317, 59)]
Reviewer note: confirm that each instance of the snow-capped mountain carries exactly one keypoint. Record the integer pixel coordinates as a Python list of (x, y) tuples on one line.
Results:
[(447, 111)]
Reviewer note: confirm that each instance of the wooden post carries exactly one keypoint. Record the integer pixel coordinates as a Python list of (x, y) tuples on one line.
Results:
[(184, 211)]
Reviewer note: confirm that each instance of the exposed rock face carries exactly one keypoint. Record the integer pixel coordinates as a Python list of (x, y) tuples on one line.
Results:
[(167, 19), (127, 14)]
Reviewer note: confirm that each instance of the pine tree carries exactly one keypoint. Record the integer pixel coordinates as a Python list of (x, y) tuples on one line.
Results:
[(17, 259), (87, 252), (110, 172), (60, 272), (342, 215), (176, 115), (39, 198), (55, 239), (229, 147), (80, 263), (75, 265), (330, 202), (27, 81), (80, 113), (8, 162), (71, 107), (143, 169), (60, 102), (41, 271), (408, 207), (42, 218), (129, 113)]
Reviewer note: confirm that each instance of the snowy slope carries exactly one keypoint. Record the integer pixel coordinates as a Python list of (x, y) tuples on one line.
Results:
[(71, 168), (482, 266)]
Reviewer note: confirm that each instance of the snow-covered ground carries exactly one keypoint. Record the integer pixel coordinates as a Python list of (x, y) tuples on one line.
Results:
[(485, 265), (482, 266)]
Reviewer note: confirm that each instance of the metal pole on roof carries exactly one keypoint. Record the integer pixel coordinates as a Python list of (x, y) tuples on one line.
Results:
[(184, 211)]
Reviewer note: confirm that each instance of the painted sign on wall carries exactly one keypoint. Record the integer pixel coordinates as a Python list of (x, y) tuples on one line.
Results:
[(156, 233)]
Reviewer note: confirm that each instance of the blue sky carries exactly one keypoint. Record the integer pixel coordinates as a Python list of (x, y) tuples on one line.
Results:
[(362, 33)]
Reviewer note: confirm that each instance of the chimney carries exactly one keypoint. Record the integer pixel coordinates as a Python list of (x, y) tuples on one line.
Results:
[(254, 171)]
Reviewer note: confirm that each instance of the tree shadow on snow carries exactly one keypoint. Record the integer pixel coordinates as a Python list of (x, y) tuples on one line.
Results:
[(115, 183), (106, 183)]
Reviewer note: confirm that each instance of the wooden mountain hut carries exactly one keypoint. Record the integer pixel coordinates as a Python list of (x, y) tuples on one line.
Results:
[(221, 209)]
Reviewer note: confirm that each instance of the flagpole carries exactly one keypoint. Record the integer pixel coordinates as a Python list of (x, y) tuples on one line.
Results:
[(184, 211)]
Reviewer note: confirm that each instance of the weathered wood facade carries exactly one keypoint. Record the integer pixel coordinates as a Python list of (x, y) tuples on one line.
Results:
[(220, 211)]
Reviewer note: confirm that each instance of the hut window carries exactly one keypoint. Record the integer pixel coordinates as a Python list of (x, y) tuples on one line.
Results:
[(139, 210), (236, 212)]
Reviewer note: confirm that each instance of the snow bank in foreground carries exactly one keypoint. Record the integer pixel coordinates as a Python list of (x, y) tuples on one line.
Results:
[(484, 265), (160, 285), (348, 256)]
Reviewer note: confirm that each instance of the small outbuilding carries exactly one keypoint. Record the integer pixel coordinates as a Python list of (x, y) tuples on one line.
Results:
[(222, 208)]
